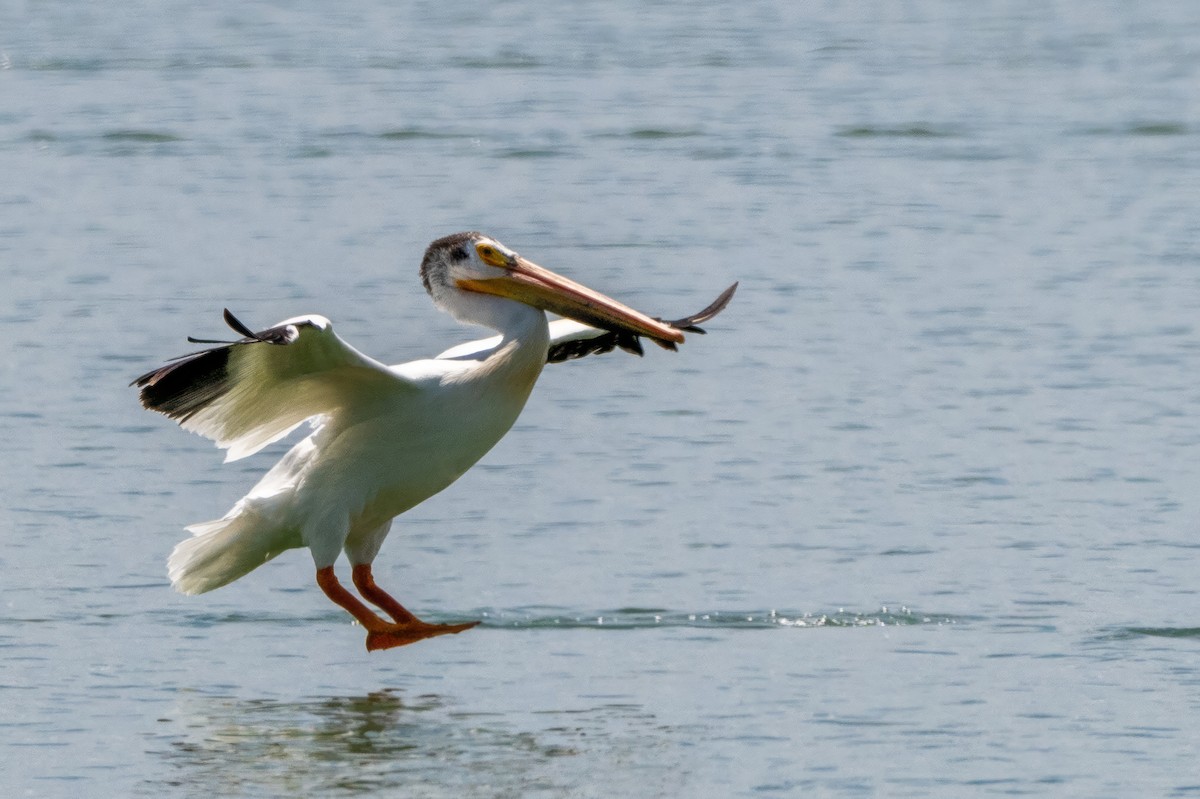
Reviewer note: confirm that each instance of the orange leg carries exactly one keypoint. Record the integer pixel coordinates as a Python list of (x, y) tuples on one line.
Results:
[(381, 634), (364, 581)]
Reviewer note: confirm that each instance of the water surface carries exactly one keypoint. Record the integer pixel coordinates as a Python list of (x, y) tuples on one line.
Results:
[(916, 518)]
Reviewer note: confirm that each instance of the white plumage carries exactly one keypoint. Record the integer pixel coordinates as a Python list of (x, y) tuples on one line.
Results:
[(386, 437)]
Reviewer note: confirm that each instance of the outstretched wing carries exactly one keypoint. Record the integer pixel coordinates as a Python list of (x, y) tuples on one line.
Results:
[(570, 339), (248, 393)]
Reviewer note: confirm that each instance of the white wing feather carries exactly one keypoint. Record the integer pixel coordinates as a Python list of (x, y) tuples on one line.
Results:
[(561, 331), (253, 392)]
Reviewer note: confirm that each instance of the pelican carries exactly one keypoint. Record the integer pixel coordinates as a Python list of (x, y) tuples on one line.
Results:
[(385, 438)]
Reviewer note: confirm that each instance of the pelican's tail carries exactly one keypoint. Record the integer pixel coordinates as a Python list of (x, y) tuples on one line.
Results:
[(221, 551)]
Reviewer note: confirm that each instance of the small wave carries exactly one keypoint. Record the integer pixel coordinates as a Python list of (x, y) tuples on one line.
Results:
[(910, 132), (1159, 129), (629, 618), (1126, 633), (142, 136), (504, 60), (532, 152), (412, 134), (1162, 128), (651, 133), (215, 619), (644, 618)]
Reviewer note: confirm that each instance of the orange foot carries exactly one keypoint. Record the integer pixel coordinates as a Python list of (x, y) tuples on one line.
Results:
[(393, 635)]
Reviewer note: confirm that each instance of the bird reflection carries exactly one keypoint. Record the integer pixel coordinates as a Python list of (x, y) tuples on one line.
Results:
[(343, 746)]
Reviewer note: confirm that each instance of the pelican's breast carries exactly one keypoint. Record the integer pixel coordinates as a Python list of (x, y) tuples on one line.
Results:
[(413, 450)]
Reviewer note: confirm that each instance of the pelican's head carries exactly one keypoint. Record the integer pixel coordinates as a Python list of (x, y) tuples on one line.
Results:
[(475, 264)]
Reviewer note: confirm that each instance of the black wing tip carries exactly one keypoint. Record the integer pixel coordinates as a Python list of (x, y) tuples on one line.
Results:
[(580, 348), (690, 324), (237, 326), (631, 342), (185, 386)]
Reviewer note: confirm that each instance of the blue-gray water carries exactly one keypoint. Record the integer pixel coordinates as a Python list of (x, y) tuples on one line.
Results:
[(917, 518)]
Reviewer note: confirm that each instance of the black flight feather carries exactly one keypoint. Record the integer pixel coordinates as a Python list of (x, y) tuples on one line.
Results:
[(186, 385), (631, 342)]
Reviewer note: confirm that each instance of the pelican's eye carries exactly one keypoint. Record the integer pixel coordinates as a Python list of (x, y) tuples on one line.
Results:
[(490, 255)]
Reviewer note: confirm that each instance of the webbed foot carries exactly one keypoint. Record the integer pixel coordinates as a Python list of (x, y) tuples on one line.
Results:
[(394, 635)]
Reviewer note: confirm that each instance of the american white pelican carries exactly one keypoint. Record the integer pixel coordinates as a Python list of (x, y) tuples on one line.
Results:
[(386, 437)]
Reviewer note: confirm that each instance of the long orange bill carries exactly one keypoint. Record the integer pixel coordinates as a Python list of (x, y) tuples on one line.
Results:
[(537, 286)]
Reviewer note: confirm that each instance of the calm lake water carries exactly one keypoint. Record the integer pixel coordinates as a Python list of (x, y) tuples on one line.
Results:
[(917, 518)]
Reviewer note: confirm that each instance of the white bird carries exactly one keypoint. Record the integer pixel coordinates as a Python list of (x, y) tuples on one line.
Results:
[(386, 437)]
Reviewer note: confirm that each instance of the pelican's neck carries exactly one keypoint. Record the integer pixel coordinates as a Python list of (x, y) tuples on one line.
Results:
[(516, 321), (524, 335)]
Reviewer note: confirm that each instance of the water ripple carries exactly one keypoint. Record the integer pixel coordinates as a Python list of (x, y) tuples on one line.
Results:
[(643, 618), (1127, 633), (903, 132), (628, 618)]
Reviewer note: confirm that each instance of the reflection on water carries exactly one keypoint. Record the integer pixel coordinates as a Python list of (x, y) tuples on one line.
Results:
[(385, 740)]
